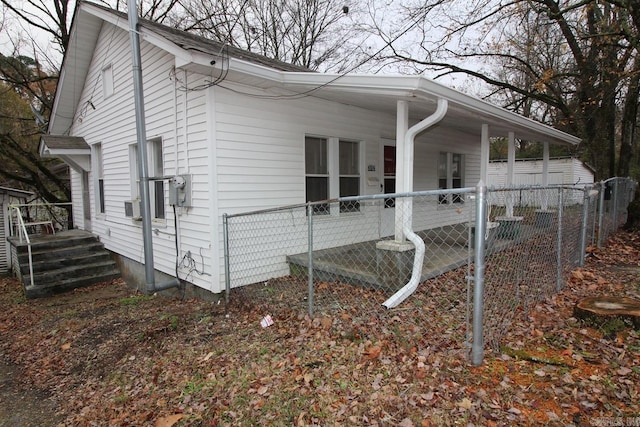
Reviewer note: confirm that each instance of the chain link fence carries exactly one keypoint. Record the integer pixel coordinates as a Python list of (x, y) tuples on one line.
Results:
[(615, 196), (339, 260)]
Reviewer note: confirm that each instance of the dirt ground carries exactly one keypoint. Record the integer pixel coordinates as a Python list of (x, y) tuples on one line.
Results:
[(108, 356)]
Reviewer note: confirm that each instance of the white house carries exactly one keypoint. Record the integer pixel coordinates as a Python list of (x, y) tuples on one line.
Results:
[(229, 131)]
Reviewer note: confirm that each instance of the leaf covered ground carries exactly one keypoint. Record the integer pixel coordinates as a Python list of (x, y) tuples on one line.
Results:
[(108, 356)]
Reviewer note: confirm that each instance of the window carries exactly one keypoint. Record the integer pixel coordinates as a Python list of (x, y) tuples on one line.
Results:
[(107, 81), (450, 175), (99, 177), (317, 172), (156, 169), (349, 174), (332, 169)]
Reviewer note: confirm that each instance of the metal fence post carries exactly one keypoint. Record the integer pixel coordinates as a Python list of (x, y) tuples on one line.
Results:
[(559, 246), (477, 348), (615, 206), (583, 230), (225, 238), (310, 256), (603, 189)]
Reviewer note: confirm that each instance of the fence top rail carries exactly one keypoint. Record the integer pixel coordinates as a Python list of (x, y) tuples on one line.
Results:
[(579, 187), (354, 199)]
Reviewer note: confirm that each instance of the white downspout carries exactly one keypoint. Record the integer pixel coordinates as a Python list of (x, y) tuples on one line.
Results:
[(409, 142)]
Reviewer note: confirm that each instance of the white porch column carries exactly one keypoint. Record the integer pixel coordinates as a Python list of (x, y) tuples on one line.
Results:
[(402, 125), (511, 160), (484, 153), (545, 175)]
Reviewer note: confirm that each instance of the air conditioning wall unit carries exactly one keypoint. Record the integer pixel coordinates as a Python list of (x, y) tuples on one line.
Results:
[(132, 209)]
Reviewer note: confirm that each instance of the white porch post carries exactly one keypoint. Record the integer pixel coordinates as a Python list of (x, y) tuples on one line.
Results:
[(511, 160), (402, 125), (484, 153), (545, 175)]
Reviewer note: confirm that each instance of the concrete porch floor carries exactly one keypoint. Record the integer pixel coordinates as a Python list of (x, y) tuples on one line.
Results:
[(446, 248)]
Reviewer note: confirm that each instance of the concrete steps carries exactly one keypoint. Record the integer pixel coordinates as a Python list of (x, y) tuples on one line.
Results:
[(63, 262)]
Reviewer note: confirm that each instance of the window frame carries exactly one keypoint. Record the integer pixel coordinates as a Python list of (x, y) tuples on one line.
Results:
[(445, 171)]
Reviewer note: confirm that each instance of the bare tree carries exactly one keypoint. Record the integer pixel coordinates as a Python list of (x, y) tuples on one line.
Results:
[(52, 17), (317, 34), (569, 63)]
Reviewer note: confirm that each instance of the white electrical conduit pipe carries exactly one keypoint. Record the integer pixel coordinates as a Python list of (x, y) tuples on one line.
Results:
[(416, 273)]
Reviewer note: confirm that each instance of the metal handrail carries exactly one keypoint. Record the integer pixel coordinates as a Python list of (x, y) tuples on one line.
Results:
[(23, 230)]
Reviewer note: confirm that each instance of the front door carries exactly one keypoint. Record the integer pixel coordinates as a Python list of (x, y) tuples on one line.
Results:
[(86, 201), (387, 218)]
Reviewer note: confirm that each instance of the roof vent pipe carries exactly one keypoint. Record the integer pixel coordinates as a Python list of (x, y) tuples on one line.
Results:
[(407, 228), (143, 170)]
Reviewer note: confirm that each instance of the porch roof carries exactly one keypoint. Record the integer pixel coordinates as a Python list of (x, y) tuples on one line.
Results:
[(466, 113), (74, 150)]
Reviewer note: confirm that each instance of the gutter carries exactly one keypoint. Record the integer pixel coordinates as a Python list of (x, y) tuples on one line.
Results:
[(407, 229)]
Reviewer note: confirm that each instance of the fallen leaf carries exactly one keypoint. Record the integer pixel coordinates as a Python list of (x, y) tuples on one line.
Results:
[(373, 352), (406, 423), (577, 274), (307, 377), (624, 371), (168, 421), (326, 323), (465, 404), (65, 346)]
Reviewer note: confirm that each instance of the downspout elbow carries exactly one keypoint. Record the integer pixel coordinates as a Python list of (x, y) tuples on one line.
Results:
[(159, 287), (416, 272)]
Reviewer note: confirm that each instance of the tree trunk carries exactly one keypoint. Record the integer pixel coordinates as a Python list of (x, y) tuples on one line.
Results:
[(629, 122), (609, 313)]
